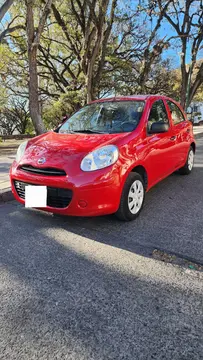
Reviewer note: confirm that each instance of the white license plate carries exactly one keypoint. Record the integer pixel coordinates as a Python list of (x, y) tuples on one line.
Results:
[(35, 196)]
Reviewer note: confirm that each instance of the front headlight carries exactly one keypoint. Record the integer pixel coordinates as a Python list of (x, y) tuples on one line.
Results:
[(100, 158), (21, 150)]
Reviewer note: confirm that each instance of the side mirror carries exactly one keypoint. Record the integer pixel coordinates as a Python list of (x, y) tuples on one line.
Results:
[(159, 127)]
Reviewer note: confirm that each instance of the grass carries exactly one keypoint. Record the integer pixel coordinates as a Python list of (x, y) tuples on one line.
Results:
[(9, 146)]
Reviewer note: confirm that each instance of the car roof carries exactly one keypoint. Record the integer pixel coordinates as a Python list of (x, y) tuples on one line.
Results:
[(130, 98), (139, 98)]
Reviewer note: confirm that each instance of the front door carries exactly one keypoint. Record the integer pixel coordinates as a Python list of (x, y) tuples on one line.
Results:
[(159, 156)]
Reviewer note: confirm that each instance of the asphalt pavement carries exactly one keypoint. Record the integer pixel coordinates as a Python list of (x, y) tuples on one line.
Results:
[(87, 288), (5, 163), (8, 150)]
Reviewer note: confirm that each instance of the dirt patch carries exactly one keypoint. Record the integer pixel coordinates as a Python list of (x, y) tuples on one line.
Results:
[(173, 259)]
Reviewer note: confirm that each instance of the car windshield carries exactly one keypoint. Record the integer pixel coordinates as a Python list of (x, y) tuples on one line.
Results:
[(105, 117)]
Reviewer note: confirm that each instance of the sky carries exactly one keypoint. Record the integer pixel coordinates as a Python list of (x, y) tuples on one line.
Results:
[(173, 53)]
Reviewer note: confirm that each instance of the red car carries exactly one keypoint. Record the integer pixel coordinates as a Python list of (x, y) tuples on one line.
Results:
[(105, 157)]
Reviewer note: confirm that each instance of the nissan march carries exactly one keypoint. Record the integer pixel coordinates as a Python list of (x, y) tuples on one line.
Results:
[(105, 157)]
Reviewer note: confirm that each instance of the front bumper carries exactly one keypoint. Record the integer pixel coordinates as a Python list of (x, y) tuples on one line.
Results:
[(93, 194)]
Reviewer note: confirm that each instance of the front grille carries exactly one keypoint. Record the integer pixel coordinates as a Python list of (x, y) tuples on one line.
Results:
[(43, 171), (56, 197)]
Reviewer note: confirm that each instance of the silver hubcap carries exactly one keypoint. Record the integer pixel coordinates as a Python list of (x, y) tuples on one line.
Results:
[(190, 160), (135, 197)]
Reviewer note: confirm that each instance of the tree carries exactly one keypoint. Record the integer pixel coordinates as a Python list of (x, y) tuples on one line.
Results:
[(5, 7), (7, 123), (125, 52), (186, 18), (19, 111), (93, 22), (82, 50), (33, 38), (10, 28), (15, 116)]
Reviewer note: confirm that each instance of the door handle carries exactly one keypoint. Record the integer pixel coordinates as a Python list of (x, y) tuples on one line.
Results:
[(173, 138)]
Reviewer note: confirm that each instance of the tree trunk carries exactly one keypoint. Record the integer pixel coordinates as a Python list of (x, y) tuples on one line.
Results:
[(183, 91), (196, 84), (33, 92), (33, 38), (184, 74), (89, 86), (184, 84), (90, 65)]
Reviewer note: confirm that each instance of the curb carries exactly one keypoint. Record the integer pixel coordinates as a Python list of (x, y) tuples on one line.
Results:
[(198, 136), (6, 195)]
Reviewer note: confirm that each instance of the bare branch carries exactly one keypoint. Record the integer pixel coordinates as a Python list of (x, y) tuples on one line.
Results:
[(5, 7), (42, 22), (10, 30), (63, 26)]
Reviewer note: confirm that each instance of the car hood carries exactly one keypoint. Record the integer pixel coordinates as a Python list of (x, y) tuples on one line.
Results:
[(64, 150)]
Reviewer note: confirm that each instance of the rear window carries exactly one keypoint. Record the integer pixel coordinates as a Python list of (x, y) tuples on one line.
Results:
[(176, 114)]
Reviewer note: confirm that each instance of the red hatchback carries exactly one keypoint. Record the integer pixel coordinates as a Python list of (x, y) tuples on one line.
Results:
[(105, 157)]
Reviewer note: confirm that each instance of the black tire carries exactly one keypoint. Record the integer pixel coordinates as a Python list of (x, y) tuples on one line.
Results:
[(124, 212), (186, 169)]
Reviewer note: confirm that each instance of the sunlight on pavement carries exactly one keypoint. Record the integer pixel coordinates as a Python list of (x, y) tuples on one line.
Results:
[(121, 260)]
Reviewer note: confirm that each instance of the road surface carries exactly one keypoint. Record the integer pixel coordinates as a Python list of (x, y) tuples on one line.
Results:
[(85, 289)]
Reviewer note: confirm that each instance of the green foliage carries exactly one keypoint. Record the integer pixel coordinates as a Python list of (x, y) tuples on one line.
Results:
[(15, 117), (67, 104), (199, 94), (29, 128), (130, 57)]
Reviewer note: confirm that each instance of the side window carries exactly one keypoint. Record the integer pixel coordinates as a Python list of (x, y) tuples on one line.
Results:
[(176, 113), (157, 114)]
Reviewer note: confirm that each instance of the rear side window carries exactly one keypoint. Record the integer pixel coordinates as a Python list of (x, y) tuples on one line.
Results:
[(157, 114), (176, 114)]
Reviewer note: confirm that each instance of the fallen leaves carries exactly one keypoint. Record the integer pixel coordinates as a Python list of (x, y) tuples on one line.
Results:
[(173, 259)]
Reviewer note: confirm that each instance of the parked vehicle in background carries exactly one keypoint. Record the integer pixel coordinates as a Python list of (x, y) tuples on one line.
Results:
[(105, 157), (197, 113)]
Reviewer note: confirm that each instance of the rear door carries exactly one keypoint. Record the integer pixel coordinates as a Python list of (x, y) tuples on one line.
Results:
[(159, 157), (181, 129)]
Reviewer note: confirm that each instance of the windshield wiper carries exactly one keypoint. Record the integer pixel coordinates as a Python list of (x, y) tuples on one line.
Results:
[(89, 131), (67, 131)]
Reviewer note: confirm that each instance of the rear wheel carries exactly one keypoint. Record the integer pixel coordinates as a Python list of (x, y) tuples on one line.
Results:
[(187, 168), (132, 198)]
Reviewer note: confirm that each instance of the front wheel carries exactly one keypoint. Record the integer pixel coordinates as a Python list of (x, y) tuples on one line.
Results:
[(187, 168), (132, 198)]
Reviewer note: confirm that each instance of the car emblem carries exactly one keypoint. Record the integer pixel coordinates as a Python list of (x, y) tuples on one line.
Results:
[(41, 161)]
